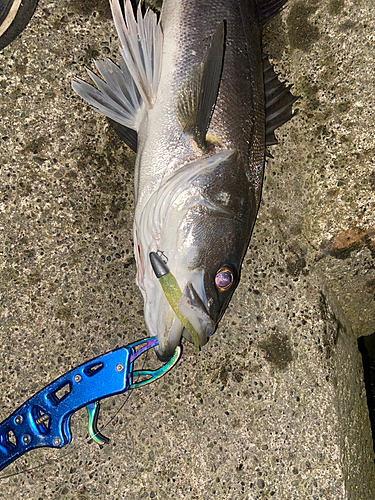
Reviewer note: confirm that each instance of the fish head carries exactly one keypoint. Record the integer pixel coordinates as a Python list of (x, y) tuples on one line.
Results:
[(202, 220)]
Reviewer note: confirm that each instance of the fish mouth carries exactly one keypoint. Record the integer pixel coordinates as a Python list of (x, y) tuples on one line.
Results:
[(194, 309)]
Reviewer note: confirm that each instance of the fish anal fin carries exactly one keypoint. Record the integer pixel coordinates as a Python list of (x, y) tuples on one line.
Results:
[(126, 92), (196, 101), (126, 134), (278, 102), (271, 139), (141, 46)]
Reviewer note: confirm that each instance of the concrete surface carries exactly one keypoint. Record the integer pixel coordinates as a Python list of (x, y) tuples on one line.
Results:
[(274, 406)]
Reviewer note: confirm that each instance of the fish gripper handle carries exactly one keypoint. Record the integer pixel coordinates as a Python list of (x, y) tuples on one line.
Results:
[(44, 419)]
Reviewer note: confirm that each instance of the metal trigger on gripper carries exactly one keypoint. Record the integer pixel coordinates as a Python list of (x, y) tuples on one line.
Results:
[(152, 375), (93, 413)]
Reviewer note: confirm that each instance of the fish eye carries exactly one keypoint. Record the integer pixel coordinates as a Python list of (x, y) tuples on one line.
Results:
[(224, 278)]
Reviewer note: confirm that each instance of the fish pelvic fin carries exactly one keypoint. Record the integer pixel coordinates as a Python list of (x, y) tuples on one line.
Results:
[(127, 91), (196, 101), (279, 102)]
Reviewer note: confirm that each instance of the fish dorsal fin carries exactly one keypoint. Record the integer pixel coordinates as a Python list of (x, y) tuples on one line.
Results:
[(279, 102), (196, 101), (126, 92), (268, 9)]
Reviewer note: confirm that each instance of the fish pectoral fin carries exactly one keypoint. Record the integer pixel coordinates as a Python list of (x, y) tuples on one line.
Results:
[(196, 101), (126, 92)]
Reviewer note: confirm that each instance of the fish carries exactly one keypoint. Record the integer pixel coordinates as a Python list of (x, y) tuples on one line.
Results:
[(196, 98)]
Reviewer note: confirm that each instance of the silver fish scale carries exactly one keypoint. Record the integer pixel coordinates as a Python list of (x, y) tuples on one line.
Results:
[(239, 117)]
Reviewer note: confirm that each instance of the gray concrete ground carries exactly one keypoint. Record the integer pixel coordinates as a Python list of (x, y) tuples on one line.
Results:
[(274, 406)]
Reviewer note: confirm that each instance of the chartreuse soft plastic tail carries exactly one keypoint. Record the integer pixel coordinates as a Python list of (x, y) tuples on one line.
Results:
[(172, 293)]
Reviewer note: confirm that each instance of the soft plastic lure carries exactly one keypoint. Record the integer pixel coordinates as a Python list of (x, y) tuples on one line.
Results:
[(44, 419), (172, 293)]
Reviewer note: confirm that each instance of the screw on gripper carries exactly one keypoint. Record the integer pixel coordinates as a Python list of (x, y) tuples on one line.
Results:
[(42, 419)]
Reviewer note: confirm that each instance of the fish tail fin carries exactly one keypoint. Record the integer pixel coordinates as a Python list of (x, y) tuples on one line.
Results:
[(124, 93)]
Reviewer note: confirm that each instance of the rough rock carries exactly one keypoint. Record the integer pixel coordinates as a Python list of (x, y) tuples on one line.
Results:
[(274, 406)]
